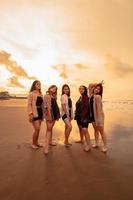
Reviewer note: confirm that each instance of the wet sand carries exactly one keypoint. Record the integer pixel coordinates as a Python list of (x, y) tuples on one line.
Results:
[(65, 174)]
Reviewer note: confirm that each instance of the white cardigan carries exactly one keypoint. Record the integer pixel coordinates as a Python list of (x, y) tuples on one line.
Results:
[(64, 100)]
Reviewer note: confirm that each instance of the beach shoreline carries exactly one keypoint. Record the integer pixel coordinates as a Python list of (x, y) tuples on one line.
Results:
[(64, 173)]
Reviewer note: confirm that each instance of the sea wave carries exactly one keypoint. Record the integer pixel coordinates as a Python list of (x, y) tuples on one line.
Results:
[(118, 105)]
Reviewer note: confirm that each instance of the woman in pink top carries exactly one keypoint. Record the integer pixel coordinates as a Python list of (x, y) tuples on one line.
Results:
[(52, 114)]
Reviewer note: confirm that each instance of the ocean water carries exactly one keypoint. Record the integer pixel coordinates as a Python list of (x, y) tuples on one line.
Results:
[(118, 105), (108, 105), (118, 117)]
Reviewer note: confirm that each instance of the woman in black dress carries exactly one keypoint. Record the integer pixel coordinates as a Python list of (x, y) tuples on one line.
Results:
[(35, 111), (82, 116), (91, 88)]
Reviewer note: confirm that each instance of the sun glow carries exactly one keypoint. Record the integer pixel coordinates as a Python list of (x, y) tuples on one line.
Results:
[(62, 42)]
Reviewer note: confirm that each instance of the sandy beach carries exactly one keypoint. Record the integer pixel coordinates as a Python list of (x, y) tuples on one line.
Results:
[(66, 51), (65, 174)]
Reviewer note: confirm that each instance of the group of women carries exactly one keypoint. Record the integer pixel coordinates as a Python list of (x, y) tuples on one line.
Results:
[(88, 110)]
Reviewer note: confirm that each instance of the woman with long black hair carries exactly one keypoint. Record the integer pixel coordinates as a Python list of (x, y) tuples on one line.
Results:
[(67, 112), (82, 116), (91, 88)]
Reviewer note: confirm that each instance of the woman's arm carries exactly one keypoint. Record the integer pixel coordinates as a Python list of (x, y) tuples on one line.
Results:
[(64, 108), (47, 107), (29, 104), (63, 104), (29, 107), (98, 101)]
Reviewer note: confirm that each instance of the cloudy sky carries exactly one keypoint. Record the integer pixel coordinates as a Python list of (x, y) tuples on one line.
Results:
[(73, 41)]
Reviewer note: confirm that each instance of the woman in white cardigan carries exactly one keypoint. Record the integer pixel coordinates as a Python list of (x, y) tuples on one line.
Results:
[(67, 112)]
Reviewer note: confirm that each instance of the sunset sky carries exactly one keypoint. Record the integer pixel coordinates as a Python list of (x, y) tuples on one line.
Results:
[(73, 41)]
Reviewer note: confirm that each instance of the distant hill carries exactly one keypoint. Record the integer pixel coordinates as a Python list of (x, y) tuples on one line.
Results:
[(5, 95)]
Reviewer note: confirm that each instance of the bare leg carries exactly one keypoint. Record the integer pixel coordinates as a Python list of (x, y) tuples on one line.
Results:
[(81, 135), (103, 136), (50, 125), (87, 139), (52, 143), (39, 145), (96, 134), (36, 126), (68, 129)]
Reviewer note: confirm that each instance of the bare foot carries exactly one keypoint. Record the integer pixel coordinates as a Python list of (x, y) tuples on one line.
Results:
[(79, 141), (95, 145), (39, 145), (45, 151), (104, 149), (67, 144), (52, 144), (33, 146), (87, 148)]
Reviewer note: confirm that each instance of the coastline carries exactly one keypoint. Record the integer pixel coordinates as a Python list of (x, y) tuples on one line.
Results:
[(64, 173)]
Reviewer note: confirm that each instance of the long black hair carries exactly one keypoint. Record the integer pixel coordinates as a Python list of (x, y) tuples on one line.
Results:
[(85, 90), (65, 85), (33, 86)]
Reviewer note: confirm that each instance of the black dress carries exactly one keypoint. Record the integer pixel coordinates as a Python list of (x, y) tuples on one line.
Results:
[(39, 102), (82, 112), (55, 109), (70, 106), (91, 113), (78, 110)]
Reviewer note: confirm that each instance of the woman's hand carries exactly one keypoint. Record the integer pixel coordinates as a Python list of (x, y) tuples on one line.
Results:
[(30, 118)]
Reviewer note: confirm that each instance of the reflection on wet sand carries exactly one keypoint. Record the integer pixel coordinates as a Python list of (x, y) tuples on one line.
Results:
[(64, 173)]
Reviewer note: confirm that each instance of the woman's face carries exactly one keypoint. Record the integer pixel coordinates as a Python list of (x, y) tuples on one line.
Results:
[(53, 90), (66, 90), (81, 90), (91, 88), (38, 86), (97, 90)]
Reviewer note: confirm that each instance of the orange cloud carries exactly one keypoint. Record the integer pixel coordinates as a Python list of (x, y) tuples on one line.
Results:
[(62, 69), (116, 67), (12, 66), (81, 66), (14, 82)]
